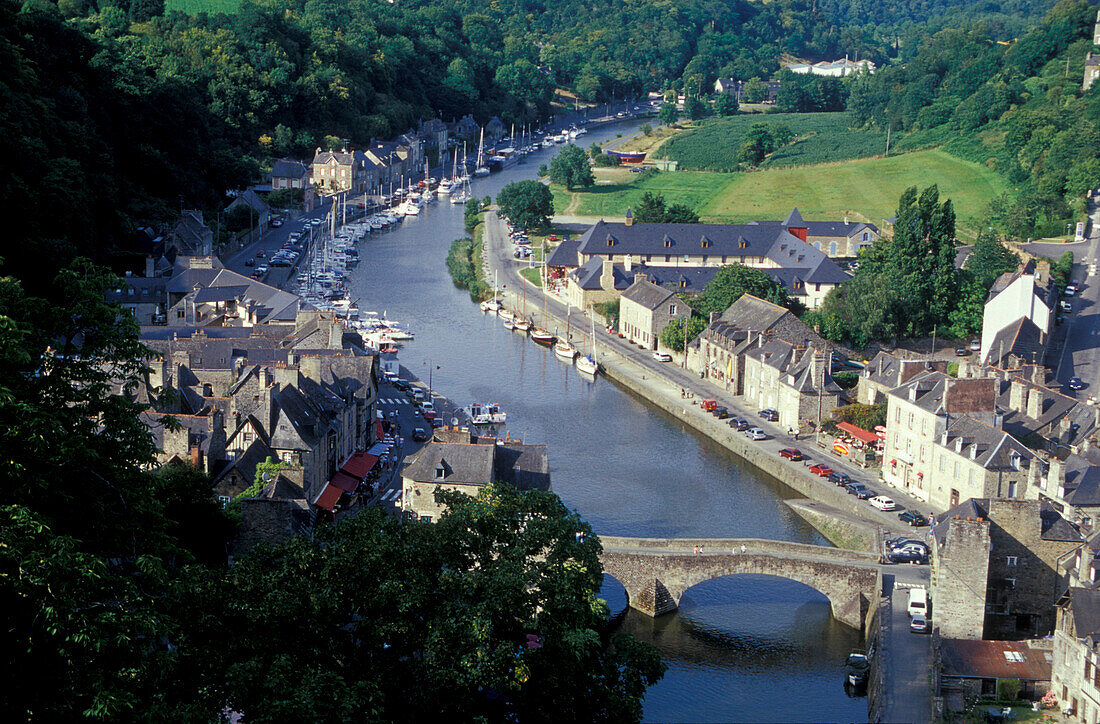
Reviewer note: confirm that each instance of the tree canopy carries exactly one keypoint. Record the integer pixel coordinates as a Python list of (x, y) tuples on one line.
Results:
[(570, 168), (528, 204)]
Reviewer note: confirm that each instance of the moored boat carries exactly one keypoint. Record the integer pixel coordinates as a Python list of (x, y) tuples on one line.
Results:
[(542, 336), (587, 365), (857, 668), (487, 414), (521, 324)]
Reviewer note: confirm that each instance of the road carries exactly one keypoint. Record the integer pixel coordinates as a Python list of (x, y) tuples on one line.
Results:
[(906, 657), (498, 252), (1080, 355)]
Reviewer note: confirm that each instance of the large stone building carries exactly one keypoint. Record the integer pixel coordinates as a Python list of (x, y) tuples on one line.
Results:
[(794, 380), (887, 371), (775, 249), (1075, 673), (466, 464), (343, 170), (645, 309), (995, 568)]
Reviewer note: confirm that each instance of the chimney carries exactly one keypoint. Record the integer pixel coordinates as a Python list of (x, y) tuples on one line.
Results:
[(1056, 476), (845, 220), (1035, 403), (1038, 374), (196, 456), (640, 276), (628, 262), (150, 267), (264, 377), (1042, 273), (820, 369), (607, 276), (1016, 395)]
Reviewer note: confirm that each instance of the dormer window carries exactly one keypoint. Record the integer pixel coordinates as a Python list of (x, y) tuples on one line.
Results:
[(742, 244), (668, 243), (440, 471), (705, 243)]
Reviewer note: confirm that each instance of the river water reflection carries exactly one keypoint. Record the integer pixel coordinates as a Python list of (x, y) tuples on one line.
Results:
[(742, 648)]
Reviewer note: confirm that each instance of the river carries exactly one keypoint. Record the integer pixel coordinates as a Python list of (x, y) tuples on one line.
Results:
[(742, 648)]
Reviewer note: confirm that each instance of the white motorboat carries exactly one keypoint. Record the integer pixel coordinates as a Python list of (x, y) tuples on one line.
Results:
[(487, 414)]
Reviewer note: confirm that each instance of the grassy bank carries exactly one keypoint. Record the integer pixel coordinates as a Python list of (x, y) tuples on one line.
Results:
[(532, 275), (464, 261)]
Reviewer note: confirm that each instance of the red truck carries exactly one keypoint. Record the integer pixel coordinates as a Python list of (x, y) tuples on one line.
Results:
[(710, 405)]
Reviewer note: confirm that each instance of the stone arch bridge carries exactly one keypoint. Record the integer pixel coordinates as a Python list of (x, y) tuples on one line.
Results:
[(657, 571)]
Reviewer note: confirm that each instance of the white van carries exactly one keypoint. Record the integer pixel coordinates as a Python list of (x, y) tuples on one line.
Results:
[(918, 602)]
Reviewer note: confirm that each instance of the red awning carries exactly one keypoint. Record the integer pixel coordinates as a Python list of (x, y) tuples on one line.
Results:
[(379, 433), (344, 481), (857, 432), (359, 464), (328, 497)]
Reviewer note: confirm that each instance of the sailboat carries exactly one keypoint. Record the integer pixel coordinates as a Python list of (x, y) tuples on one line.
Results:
[(540, 334), (444, 188), (463, 194), (564, 349), (586, 363), (492, 305), (481, 169)]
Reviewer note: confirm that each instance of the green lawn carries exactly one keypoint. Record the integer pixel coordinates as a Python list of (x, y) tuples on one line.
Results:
[(679, 187), (194, 7), (867, 189), (820, 138), (532, 274)]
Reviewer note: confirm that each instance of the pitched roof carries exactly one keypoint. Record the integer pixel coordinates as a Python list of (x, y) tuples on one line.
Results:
[(938, 393), (973, 659), (288, 168), (564, 254), (1084, 607), (988, 446), (647, 294), (1053, 526), (460, 463), (1021, 339), (525, 466), (794, 218), (588, 275)]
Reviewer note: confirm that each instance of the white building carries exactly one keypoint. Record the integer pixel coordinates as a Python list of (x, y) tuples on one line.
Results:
[(1022, 294)]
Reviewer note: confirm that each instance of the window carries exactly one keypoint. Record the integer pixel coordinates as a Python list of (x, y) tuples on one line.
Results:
[(742, 244), (668, 243), (287, 456), (672, 309), (943, 462), (704, 258), (1010, 582), (224, 500), (440, 472), (832, 249), (668, 258), (1014, 656), (956, 470), (246, 437), (723, 258), (1011, 561)]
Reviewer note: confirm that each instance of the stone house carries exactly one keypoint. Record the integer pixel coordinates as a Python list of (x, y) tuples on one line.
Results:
[(201, 292), (190, 236), (995, 568), (435, 135), (972, 668), (918, 414), (719, 352), (794, 380), (145, 297), (466, 129), (288, 173), (277, 514), (336, 171), (836, 238), (198, 439), (1075, 671), (466, 466), (645, 309)]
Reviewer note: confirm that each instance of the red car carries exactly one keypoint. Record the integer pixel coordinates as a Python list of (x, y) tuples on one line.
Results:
[(821, 469), (792, 453)]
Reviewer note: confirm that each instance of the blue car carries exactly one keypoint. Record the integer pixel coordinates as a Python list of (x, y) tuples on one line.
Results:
[(1076, 383)]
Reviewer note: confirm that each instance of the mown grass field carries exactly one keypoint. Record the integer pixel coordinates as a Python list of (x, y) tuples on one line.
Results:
[(820, 138), (194, 7), (866, 189)]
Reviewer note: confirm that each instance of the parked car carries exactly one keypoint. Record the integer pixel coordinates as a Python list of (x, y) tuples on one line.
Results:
[(821, 469), (918, 624), (1076, 383), (662, 357), (961, 351), (739, 423), (792, 453), (250, 262), (976, 345), (721, 413), (900, 543), (883, 503), (755, 433), (841, 479), (859, 490), (276, 223), (770, 415), (420, 434), (1066, 306), (912, 557), (436, 422), (913, 518), (709, 405), (261, 254)]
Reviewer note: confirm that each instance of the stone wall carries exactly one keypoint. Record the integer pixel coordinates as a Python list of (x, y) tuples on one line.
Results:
[(959, 571)]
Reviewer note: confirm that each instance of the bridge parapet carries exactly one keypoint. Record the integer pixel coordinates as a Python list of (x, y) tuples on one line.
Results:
[(656, 572)]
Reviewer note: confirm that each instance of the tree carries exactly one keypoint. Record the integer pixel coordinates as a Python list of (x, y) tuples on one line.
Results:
[(681, 214), (672, 336), (668, 114), (734, 280), (528, 204), (471, 214), (570, 168), (725, 105), (488, 614), (695, 108), (651, 209)]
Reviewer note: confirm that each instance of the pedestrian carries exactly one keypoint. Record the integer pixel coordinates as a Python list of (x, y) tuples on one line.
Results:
[(696, 550), (743, 549), (790, 432)]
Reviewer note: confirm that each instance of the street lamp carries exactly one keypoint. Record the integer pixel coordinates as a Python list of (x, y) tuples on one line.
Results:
[(430, 368)]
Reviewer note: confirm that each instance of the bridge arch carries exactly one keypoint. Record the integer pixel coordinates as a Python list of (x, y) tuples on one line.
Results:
[(657, 572)]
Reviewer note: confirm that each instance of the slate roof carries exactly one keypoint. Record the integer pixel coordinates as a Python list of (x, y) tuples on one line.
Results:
[(1083, 482), (138, 289), (730, 240), (220, 294), (525, 466), (297, 422), (938, 393), (245, 464), (1054, 526), (1021, 339), (795, 362), (794, 220), (463, 464), (993, 448), (647, 294), (588, 275), (565, 254), (1061, 417), (1084, 607), (288, 168), (251, 199), (890, 370), (191, 230)]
